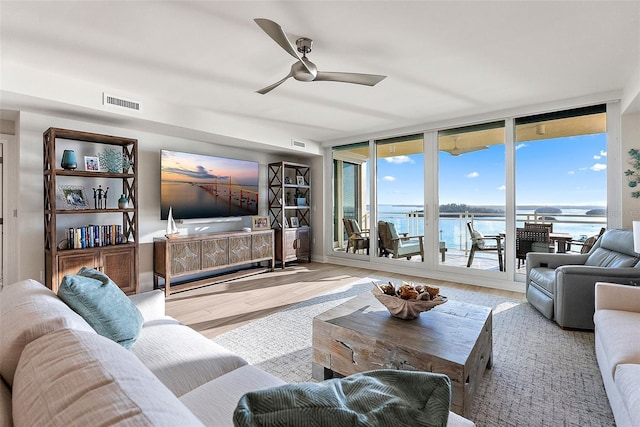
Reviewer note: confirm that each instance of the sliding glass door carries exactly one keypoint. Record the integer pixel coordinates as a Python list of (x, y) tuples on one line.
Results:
[(351, 218), (471, 188), (560, 177), (400, 198)]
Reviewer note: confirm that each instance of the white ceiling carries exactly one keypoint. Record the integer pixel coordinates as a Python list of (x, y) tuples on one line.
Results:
[(443, 59)]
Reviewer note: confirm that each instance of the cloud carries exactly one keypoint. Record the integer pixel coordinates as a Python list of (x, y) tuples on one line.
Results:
[(200, 173), (596, 157), (603, 153), (398, 160), (389, 178), (519, 146), (571, 173), (472, 175), (598, 167), (502, 187)]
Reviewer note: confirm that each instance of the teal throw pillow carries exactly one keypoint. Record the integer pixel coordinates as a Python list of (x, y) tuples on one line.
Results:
[(369, 399), (95, 297)]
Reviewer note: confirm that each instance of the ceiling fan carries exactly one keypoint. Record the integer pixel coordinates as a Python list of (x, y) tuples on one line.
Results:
[(304, 70)]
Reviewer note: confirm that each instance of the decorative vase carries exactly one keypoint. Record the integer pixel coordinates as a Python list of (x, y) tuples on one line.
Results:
[(302, 201), (123, 203), (69, 160)]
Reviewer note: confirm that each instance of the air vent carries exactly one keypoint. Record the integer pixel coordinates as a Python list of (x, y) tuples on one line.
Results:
[(298, 144), (120, 102)]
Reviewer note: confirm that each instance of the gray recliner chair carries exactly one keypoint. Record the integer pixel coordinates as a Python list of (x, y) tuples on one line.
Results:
[(562, 286)]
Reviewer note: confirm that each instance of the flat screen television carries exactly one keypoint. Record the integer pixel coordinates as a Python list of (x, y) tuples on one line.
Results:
[(202, 186)]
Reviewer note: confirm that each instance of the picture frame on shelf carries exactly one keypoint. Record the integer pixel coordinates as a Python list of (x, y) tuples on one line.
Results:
[(294, 222), (91, 163), (260, 222), (300, 180), (73, 197)]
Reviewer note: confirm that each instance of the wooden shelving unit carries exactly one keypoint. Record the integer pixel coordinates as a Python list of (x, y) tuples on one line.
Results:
[(119, 261), (292, 243)]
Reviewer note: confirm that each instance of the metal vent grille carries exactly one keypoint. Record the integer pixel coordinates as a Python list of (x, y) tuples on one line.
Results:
[(298, 144), (120, 102)]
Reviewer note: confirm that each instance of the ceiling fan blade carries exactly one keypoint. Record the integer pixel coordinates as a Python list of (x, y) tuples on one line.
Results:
[(273, 86), (275, 31), (357, 78)]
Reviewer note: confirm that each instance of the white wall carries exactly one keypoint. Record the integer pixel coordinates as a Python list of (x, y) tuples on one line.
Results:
[(630, 139), (30, 204)]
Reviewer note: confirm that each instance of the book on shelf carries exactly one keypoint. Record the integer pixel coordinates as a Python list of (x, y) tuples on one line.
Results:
[(92, 236)]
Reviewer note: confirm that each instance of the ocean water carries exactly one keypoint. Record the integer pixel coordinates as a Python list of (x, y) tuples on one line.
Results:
[(452, 230), (192, 201)]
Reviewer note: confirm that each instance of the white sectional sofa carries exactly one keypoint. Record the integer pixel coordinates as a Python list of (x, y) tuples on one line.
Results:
[(617, 337), (57, 371)]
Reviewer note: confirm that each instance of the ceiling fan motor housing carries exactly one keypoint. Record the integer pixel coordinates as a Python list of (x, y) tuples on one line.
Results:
[(304, 45)]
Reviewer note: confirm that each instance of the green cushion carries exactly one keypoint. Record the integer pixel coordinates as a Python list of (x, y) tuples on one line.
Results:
[(392, 230), (103, 305), (376, 398), (477, 238)]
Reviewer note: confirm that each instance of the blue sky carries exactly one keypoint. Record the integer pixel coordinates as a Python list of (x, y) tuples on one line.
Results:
[(561, 171)]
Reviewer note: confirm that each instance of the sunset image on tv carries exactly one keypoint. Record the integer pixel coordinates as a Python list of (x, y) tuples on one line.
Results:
[(201, 186)]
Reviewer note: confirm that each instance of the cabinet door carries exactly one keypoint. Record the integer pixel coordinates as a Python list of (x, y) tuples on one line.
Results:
[(215, 253), (70, 263), (119, 265), (302, 244), (185, 257), (239, 249), (262, 246), (290, 243)]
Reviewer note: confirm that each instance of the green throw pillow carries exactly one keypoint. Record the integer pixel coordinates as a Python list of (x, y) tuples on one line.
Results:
[(369, 399), (103, 305)]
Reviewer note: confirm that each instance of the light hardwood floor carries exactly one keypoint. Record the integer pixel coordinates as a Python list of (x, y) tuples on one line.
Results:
[(215, 309)]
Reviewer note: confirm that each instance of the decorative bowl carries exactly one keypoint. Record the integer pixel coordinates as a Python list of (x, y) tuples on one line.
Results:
[(406, 309)]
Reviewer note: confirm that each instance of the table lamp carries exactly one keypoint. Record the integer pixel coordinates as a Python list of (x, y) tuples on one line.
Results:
[(636, 236)]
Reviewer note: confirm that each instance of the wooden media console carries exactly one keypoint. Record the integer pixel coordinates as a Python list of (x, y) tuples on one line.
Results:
[(180, 257)]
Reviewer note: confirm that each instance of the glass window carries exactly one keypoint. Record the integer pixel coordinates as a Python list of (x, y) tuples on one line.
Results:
[(351, 220), (471, 188), (400, 197), (561, 182)]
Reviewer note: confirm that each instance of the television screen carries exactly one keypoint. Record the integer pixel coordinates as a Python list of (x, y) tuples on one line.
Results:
[(201, 186)]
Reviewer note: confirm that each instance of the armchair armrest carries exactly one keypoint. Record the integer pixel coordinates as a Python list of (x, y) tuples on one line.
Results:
[(612, 296), (409, 237), (575, 291), (150, 304)]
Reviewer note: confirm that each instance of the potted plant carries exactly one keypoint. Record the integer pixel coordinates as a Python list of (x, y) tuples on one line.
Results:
[(301, 199)]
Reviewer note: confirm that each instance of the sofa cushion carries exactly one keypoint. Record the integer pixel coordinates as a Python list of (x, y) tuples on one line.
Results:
[(29, 310), (227, 389), (5, 405), (376, 398), (103, 305), (601, 257), (72, 378), (620, 337), (544, 278), (627, 378), (180, 357)]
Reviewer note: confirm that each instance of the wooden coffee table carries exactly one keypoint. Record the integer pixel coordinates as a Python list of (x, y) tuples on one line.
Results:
[(359, 335)]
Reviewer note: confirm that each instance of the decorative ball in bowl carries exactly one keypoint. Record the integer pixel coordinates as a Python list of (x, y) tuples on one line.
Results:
[(408, 301)]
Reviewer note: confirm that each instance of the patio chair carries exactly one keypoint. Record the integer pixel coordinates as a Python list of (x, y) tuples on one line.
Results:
[(534, 239), (357, 239), (390, 242), (589, 242), (479, 243)]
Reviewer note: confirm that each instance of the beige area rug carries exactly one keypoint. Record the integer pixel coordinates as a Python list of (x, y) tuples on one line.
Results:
[(541, 375)]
